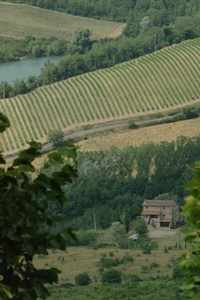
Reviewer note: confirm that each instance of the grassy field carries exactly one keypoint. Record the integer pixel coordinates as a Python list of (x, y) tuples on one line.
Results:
[(160, 289), (136, 137), (160, 82), (19, 20), (147, 267)]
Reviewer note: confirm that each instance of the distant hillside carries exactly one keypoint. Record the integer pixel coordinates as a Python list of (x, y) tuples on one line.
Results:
[(19, 20), (164, 80)]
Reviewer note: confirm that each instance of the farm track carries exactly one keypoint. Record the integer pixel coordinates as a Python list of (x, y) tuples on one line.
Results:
[(154, 85)]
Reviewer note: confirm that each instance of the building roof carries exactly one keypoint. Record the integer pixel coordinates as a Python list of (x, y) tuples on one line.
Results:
[(160, 203)]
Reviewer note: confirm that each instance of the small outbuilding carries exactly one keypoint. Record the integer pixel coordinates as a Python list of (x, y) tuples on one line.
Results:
[(161, 213)]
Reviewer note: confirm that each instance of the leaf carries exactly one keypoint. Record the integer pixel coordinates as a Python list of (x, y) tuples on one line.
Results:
[(5, 292), (4, 122), (26, 157)]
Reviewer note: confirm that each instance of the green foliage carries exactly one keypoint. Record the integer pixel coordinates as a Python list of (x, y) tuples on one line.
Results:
[(191, 261), (108, 262), (30, 215), (56, 137), (85, 238), (132, 125), (111, 276), (82, 42), (116, 182), (160, 289), (31, 46), (140, 227), (83, 279), (119, 235)]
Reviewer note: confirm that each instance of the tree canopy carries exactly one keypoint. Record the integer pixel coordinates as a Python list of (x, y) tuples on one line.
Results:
[(31, 206)]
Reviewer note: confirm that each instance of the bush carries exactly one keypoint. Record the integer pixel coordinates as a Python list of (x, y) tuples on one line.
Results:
[(56, 137), (111, 276), (147, 248), (126, 259), (108, 262), (166, 250), (83, 279), (140, 227), (131, 278), (154, 265), (132, 125)]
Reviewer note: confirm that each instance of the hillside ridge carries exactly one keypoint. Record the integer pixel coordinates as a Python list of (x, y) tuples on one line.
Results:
[(165, 80)]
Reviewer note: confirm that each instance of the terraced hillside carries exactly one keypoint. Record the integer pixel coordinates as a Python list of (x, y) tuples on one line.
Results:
[(20, 20), (167, 79)]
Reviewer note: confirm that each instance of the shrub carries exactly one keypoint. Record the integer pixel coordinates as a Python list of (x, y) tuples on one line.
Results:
[(108, 262), (126, 259), (132, 125), (83, 279), (154, 265), (131, 278), (166, 250), (56, 137), (140, 227), (144, 269), (83, 238), (111, 276), (147, 248)]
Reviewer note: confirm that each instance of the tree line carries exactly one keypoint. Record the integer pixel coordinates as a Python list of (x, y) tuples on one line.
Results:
[(13, 50), (112, 185), (84, 55)]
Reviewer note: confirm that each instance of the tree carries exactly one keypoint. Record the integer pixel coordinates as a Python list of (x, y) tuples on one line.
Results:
[(82, 42), (140, 227), (56, 137), (191, 262), (30, 214)]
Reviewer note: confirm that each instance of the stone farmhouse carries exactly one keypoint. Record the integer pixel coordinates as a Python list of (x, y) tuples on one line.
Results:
[(161, 213)]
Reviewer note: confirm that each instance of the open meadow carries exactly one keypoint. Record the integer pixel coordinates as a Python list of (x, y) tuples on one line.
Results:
[(19, 20), (139, 270)]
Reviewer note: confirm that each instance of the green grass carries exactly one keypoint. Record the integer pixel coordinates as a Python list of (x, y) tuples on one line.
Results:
[(19, 20), (154, 271), (146, 290), (160, 82)]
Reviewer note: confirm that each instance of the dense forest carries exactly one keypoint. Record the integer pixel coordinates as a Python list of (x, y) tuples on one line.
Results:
[(122, 10), (111, 186)]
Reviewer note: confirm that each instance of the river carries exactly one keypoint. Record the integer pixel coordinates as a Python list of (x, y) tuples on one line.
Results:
[(22, 69)]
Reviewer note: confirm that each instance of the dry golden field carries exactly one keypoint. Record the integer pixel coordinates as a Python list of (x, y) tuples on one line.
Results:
[(134, 137), (76, 260), (19, 20)]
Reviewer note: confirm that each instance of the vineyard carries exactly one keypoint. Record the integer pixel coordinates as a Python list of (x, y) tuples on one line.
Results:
[(167, 79)]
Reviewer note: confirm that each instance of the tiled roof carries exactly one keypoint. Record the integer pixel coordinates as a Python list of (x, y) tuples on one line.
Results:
[(160, 203)]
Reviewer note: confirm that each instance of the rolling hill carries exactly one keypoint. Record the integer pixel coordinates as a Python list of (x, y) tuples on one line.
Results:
[(20, 20), (156, 83)]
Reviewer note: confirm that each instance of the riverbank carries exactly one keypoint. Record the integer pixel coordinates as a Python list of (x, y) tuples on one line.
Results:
[(24, 68)]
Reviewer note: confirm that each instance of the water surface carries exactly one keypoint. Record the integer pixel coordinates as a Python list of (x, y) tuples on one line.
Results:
[(22, 69)]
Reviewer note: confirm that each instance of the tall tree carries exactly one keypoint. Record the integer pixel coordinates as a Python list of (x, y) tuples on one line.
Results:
[(30, 213), (191, 261)]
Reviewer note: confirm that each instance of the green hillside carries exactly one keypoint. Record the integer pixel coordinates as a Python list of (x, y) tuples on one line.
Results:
[(19, 20), (169, 78)]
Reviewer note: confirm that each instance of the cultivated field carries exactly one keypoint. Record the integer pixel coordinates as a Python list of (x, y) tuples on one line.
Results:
[(136, 137), (19, 20), (157, 83)]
